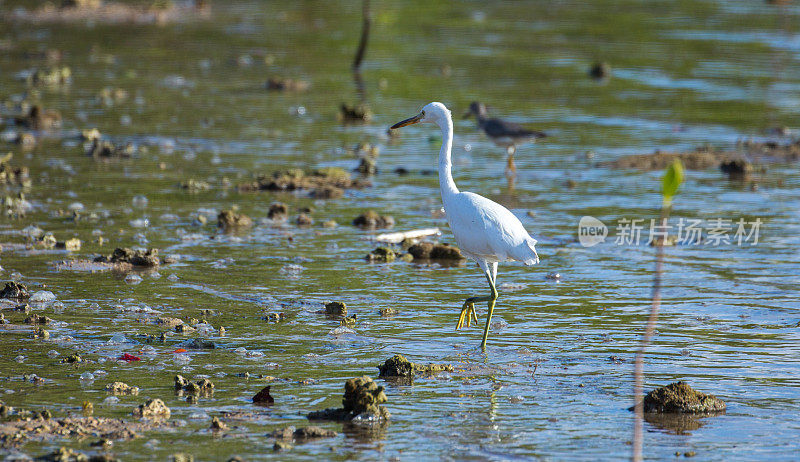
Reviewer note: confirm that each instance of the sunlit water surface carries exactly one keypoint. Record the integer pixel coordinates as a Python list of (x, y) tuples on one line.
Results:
[(556, 379)]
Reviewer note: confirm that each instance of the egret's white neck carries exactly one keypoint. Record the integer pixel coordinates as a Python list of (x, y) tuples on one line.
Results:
[(446, 183)]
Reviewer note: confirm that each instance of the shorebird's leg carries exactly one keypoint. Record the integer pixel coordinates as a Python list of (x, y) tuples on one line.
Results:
[(511, 169), (491, 300)]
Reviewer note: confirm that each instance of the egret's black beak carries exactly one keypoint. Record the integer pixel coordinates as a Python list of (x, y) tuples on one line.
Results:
[(467, 115), (411, 120)]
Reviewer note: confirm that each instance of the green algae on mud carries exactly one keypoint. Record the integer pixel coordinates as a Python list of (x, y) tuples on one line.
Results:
[(681, 398)]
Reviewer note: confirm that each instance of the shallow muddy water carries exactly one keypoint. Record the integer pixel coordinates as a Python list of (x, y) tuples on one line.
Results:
[(556, 380)]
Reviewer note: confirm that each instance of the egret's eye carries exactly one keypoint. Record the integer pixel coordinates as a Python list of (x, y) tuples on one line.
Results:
[(423, 113)]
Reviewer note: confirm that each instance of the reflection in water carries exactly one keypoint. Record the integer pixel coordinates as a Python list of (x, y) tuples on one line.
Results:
[(677, 424)]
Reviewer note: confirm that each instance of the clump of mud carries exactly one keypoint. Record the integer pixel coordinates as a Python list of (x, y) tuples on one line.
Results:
[(195, 186), (37, 319), (282, 84), (372, 220), (201, 344), (680, 398), (278, 211), (324, 183), (362, 401), (701, 158), (15, 176), (399, 366), (382, 255), (354, 113), (736, 168), (600, 71), (202, 387), (144, 258), (121, 388), (304, 220), (230, 220), (72, 359), (302, 433), (349, 321), (15, 290), (104, 149), (335, 309), (38, 118), (263, 396), (429, 251), (737, 162), (152, 409)]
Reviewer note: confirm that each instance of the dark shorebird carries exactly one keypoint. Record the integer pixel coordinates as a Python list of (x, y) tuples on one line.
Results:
[(503, 133)]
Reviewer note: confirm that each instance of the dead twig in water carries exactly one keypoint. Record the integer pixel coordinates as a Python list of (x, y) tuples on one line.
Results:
[(672, 180), (362, 44)]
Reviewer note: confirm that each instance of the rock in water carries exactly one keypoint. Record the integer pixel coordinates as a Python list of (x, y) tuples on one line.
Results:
[(362, 398), (679, 397)]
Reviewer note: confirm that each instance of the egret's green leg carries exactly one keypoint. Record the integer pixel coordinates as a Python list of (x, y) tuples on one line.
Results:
[(491, 301)]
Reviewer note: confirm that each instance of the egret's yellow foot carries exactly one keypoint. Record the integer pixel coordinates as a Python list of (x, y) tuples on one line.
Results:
[(467, 315)]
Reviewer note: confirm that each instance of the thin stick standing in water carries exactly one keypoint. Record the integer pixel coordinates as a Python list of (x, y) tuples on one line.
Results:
[(362, 44), (672, 180)]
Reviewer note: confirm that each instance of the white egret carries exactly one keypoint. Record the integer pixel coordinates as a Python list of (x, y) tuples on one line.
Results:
[(485, 231)]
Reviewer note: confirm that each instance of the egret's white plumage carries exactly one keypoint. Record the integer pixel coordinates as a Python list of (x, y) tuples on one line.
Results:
[(485, 231)]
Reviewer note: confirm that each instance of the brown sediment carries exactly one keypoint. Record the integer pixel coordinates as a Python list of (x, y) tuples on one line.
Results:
[(16, 433), (679, 397), (701, 158), (323, 183), (230, 220), (737, 161), (429, 251), (399, 366), (372, 220), (362, 399), (148, 258)]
